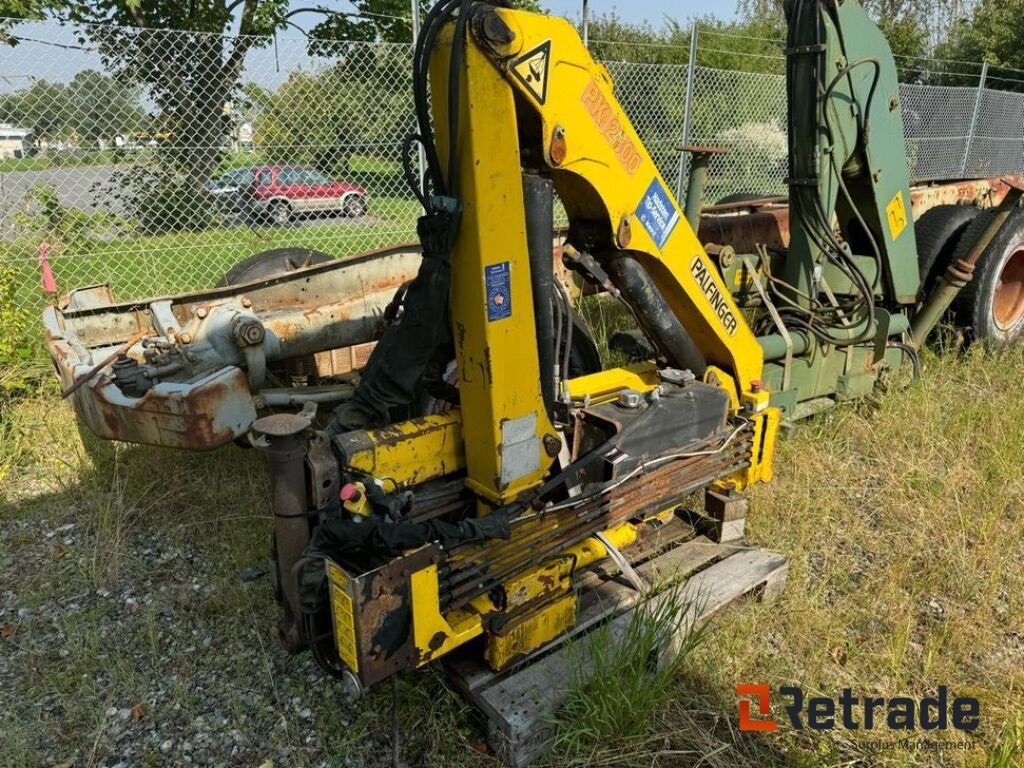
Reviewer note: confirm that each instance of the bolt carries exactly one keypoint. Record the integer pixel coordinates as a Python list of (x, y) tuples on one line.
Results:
[(184, 338), (246, 302), (248, 331), (202, 312)]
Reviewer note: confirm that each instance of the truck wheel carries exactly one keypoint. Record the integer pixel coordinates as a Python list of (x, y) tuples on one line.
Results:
[(355, 206), (992, 304), (280, 213), (274, 262), (584, 357), (939, 231)]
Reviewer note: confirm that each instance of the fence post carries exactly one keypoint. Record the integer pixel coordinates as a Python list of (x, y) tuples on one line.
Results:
[(974, 119), (415, 36), (586, 24), (691, 81)]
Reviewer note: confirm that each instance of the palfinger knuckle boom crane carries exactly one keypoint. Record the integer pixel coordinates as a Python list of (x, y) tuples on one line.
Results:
[(485, 458), (473, 522)]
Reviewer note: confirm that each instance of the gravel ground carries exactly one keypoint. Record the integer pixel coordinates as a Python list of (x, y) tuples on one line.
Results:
[(136, 643)]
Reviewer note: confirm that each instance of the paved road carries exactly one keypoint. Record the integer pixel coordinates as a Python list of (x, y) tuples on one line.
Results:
[(77, 186), (90, 188)]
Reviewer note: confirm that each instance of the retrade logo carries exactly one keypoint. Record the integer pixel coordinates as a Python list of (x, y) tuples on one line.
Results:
[(852, 713), (760, 694)]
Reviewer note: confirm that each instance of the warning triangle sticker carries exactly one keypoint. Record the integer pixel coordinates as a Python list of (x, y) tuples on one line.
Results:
[(531, 69)]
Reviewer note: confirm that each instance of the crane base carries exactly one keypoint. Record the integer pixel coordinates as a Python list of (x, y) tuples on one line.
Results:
[(518, 703)]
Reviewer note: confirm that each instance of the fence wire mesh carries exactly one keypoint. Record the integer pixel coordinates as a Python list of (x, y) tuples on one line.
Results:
[(249, 144)]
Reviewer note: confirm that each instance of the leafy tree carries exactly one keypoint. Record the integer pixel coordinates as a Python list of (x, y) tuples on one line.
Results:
[(90, 107), (12, 11), (993, 33), (101, 107), (42, 107), (904, 22), (190, 79), (362, 104)]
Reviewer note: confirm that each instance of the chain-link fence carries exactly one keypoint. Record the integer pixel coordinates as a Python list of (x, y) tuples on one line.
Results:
[(157, 160)]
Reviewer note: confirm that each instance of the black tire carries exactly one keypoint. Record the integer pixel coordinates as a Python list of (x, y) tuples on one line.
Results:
[(274, 262), (991, 307), (741, 197), (584, 357), (279, 212), (355, 206), (939, 231)]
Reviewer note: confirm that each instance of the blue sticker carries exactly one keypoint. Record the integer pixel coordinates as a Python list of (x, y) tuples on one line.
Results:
[(498, 279), (658, 213)]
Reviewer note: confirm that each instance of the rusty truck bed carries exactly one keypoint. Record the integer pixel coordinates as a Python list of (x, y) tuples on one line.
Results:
[(192, 370)]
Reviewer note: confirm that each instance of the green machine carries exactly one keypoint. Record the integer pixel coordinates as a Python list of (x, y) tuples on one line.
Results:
[(844, 305)]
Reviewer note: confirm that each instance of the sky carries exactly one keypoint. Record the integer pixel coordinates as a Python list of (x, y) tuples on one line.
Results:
[(40, 58), (653, 11)]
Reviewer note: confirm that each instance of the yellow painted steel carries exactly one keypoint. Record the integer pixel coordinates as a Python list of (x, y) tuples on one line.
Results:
[(608, 384), (504, 417), (530, 633), (410, 452), (545, 88), (592, 550), (342, 612), (433, 633), (603, 173), (553, 576)]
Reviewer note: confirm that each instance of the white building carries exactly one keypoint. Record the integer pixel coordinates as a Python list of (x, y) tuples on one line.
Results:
[(15, 142)]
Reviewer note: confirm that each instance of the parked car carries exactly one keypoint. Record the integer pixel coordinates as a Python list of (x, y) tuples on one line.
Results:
[(227, 188), (282, 192)]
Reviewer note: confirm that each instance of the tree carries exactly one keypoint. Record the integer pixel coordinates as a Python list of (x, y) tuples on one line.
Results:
[(993, 34), (362, 104), (91, 107), (189, 77), (101, 107), (42, 108), (13, 11), (906, 23)]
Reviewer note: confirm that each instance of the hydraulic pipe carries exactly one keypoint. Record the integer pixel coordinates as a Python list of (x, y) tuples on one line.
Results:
[(539, 197), (774, 345), (653, 313), (700, 162)]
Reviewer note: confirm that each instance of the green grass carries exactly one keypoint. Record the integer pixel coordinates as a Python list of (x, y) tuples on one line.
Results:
[(902, 522), (621, 681), (144, 266)]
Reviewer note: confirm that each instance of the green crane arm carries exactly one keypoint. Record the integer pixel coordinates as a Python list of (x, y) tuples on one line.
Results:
[(848, 167)]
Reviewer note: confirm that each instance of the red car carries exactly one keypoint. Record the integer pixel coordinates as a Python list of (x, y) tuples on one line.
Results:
[(281, 192)]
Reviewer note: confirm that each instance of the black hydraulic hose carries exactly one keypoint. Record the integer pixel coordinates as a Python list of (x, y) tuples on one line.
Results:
[(435, 19), (458, 53), (653, 313), (539, 196)]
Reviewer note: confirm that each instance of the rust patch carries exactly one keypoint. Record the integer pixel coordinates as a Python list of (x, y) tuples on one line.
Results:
[(768, 224)]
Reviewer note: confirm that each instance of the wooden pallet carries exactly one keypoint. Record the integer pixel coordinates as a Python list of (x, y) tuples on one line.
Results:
[(518, 703)]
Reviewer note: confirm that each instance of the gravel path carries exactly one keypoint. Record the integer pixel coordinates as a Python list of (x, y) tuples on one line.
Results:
[(172, 664)]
